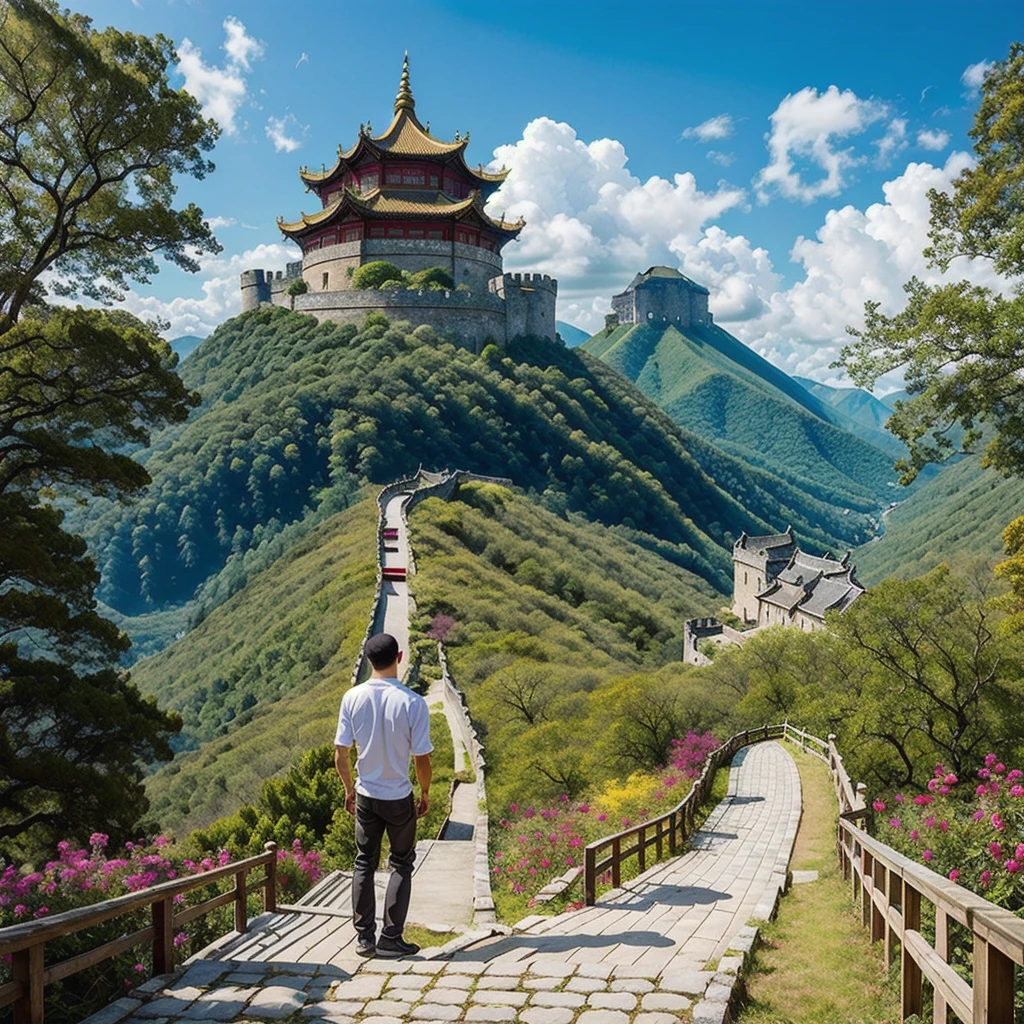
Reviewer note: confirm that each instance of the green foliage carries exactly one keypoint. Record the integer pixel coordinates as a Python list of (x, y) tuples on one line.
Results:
[(297, 287), (376, 274), (958, 514), (959, 344), (94, 134), (432, 279)]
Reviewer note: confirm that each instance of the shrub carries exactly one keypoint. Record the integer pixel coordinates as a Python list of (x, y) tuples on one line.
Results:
[(433, 278), (297, 287), (376, 274)]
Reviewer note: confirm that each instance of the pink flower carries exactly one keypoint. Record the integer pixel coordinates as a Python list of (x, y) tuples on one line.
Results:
[(529, 812), (926, 855), (98, 840), (981, 790), (999, 768), (625, 822), (20, 909), (879, 806), (162, 841), (602, 817), (895, 822), (513, 808), (933, 784), (990, 759), (914, 834), (1014, 775), (140, 968), (950, 779), (564, 798), (943, 790), (944, 826), (41, 912), (499, 855), (545, 863), (954, 875), (978, 815), (922, 799), (1017, 791), (996, 849), (1019, 852), (1012, 866), (224, 858), (569, 862), (986, 877), (929, 822), (180, 939), (997, 822), (898, 798)]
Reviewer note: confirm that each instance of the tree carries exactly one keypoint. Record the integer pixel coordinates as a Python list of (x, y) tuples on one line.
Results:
[(960, 344), (376, 274), (91, 135)]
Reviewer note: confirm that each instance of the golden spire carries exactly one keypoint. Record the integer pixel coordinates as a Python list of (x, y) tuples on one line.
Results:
[(404, 100)]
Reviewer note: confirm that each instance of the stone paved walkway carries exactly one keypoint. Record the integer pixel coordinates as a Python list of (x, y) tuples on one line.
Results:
[(666, 947), (396, 592)]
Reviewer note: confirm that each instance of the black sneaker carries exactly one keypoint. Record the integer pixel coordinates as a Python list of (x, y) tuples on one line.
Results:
[(365, 946), (392, 949)]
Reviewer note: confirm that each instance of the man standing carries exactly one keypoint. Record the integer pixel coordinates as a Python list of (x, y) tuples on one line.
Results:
[(387, 722)]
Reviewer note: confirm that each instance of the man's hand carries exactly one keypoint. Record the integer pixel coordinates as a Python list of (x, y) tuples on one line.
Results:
[(424, 805), (350, 802)]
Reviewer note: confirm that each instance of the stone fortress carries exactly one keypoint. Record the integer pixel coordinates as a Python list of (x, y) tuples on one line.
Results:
[(776, 584), (660, 295), (410, 199)]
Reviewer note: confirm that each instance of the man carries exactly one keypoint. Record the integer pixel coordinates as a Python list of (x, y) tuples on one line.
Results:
[(387, 722)]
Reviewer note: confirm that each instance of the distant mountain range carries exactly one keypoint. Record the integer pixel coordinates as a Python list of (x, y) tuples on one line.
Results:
[(713, 385), (186, 345), (572, 336)]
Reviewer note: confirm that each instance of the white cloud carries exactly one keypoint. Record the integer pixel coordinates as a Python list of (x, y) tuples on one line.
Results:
[(281, 131), (220, 222), (713, 129), (221, 298), (894, 141), (933, 139), (806, 126), (239, 45), (589, 221), (720, 158), (221, 91), (974, 75)]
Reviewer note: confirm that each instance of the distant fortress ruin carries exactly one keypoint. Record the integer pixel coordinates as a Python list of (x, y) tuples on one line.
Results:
[(411, 200), (660, 295)]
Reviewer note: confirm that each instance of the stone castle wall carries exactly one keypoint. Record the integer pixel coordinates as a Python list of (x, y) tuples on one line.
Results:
[(329, 269), (529, 304), (663, 300)]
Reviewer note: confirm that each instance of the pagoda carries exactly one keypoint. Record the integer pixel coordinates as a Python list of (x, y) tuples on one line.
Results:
[(410, 199), (411, 196)]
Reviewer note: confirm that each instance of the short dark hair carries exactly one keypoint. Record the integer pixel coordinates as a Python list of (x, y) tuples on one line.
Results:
[(382, 650)]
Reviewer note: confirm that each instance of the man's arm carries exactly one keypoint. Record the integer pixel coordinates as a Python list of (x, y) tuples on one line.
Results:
[(424, 773), (343, 766)]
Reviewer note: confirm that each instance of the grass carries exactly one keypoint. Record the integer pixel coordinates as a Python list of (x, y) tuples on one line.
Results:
[(816, 964), (426, 938)]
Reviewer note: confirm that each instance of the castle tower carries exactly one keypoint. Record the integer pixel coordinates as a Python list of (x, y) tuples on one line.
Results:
[(403, 196)]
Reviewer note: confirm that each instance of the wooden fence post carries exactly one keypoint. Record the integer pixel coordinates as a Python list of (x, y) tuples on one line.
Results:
[(993, 984), (867, 869), (241, 911), (270, 892), (589, 876), (616, 862), (27, 968), (163, 936), (911, 978), (641, 848), (942, 947)]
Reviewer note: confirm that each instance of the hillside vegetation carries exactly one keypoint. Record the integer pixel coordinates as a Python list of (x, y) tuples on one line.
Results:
[(566, 638), (297, 416), (961, 512), (713, 385), (258, 681)]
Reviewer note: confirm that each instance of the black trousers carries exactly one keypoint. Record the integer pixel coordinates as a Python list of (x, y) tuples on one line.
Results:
[(373, 819)]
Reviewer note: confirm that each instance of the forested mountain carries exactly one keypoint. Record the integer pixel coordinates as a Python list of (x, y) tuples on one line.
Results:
[(713, 385), (186, 345), (960, 513), (859, 412), (297, 416), (572, 336)]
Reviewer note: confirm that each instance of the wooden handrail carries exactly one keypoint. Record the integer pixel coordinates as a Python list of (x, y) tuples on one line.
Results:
[(26, 942)]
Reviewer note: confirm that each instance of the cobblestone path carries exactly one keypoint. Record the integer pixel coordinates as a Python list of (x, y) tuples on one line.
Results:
[(664, 948)]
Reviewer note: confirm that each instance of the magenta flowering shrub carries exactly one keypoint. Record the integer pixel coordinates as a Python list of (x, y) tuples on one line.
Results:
[(532, 845), (79, 877), (970, 830)]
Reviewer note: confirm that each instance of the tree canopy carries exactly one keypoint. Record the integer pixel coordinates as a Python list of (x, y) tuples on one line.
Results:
[(91, 136), (960, 343)]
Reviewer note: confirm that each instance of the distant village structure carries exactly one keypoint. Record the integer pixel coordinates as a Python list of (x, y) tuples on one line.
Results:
[(776, 584), (410, 199), (660, 295)]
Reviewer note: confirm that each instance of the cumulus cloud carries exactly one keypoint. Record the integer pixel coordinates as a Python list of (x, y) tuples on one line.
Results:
[(808, 127), (220, 222), (221, 91), (282, 131), (933, 139), (221, 298), (714, 129), (974, 75), (589, 221), (894, 141)]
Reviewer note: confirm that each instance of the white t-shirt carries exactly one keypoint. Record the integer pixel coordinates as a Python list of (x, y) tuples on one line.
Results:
[(388, 723)]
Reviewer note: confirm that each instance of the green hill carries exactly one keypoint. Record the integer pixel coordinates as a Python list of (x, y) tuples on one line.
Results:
[(713, 385), (572, 336), (961, 512), (296, 417), (860, 413), (186, 345)]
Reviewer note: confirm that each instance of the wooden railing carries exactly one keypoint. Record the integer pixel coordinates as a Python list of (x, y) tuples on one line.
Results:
[(26, 943), (669, 830)]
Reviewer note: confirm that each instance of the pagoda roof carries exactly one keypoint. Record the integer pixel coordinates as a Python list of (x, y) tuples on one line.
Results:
[(404, 137), (402, 204)]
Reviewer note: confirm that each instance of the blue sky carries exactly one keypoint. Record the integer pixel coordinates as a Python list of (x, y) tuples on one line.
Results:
[(778, 152)]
